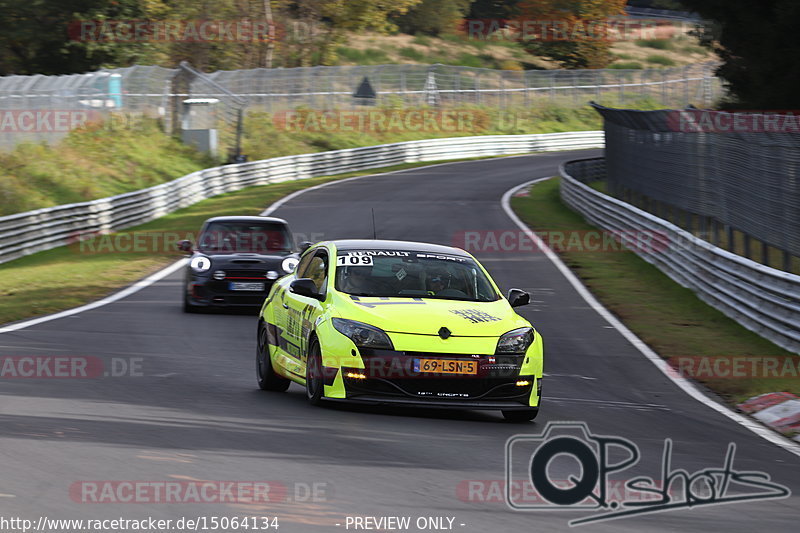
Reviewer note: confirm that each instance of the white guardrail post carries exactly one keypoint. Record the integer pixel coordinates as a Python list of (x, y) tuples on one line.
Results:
[(762, 299), (34, 231)]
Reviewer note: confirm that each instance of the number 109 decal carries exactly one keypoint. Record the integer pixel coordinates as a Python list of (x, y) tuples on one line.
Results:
[(354, 260)]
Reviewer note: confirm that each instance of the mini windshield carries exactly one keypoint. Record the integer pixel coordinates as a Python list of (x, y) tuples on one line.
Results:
[(408, 274), (245, 237)]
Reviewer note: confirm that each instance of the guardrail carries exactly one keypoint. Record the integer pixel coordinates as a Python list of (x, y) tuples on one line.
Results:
[(762, 299), (43, 229), (646, 12)]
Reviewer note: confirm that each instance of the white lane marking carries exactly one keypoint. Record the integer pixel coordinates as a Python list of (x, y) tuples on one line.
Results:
[(684, 384), (153, 278), (575, 376), (127, 291), (610, 403)]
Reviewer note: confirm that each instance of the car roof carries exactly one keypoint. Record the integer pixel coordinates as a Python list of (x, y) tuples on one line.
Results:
[(273, 220), (379, 244)]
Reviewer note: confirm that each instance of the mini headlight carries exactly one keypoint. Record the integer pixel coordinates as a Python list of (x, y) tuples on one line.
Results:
[(289, 264), (516, 341), (363, 335), (200, 263)]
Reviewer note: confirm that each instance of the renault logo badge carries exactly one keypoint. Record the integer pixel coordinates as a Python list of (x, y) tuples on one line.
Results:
[(444, 332)]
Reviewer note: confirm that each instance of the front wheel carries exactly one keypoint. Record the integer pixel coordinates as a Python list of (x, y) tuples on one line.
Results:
[(267, 378), (525, 415), (314, 383)]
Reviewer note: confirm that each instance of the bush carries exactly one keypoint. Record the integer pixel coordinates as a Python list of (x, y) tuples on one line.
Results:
[(658, 44), (626, 65), (510, 64), (661, 60)]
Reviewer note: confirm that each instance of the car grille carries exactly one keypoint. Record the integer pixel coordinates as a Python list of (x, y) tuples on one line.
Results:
[(441, 389), (252, 275)]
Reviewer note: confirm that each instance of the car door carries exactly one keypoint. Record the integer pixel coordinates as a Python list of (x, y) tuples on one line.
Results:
[(289, 356), (301, 311)]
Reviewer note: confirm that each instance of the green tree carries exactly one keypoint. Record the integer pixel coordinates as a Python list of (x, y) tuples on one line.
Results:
[(758, 45), (36, 36)]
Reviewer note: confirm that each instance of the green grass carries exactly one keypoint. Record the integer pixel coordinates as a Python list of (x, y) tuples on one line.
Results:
[(660, 60), (668, 317), (82, 272), (90, 163), (422, 40), (413, 54), (266, 136), (656, 44)]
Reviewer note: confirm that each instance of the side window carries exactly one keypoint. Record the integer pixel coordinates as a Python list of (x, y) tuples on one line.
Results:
[(318, 270), (302, 266)]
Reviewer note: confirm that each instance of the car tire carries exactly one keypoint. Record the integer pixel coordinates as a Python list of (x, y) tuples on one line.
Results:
[(189, 308), (525, 415), (315, 385), (267, 378)]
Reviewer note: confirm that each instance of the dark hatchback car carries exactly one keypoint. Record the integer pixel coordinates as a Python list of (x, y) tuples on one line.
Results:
[(235, 262)]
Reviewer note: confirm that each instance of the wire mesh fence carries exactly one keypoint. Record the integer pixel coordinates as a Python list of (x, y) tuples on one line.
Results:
[(733, 178), (44, 108)]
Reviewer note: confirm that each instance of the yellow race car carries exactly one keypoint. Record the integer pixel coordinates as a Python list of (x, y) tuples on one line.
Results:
[(393, 322)]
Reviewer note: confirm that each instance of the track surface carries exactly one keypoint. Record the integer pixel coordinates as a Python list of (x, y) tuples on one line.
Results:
[(196, 414)]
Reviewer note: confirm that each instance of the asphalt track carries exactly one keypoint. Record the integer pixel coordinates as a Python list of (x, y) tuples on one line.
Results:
[(196, 414)]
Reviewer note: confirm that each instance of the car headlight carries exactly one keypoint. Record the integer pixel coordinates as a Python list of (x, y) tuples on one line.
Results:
[(200, 263), (516, 341), (289, 264), (363, 335)]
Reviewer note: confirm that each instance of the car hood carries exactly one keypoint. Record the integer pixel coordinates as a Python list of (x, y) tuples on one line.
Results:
[(425, 316)]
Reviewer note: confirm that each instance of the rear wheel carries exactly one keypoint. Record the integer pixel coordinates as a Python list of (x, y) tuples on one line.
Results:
[(314, 383), (525, 415), (267, 378)]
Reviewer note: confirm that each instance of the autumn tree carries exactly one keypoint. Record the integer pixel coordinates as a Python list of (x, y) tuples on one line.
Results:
[(572, 32)]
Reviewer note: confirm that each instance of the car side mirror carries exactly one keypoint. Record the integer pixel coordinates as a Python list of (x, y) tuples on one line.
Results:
[(185, 246), (518, 298), (305, 287), (305, 245)]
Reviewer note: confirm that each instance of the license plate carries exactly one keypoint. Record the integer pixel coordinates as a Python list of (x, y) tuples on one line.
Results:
[(445, 366), (245, 286)]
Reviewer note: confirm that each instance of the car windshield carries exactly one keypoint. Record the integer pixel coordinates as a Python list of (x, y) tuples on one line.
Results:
[(410, 274), (246, 237)]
